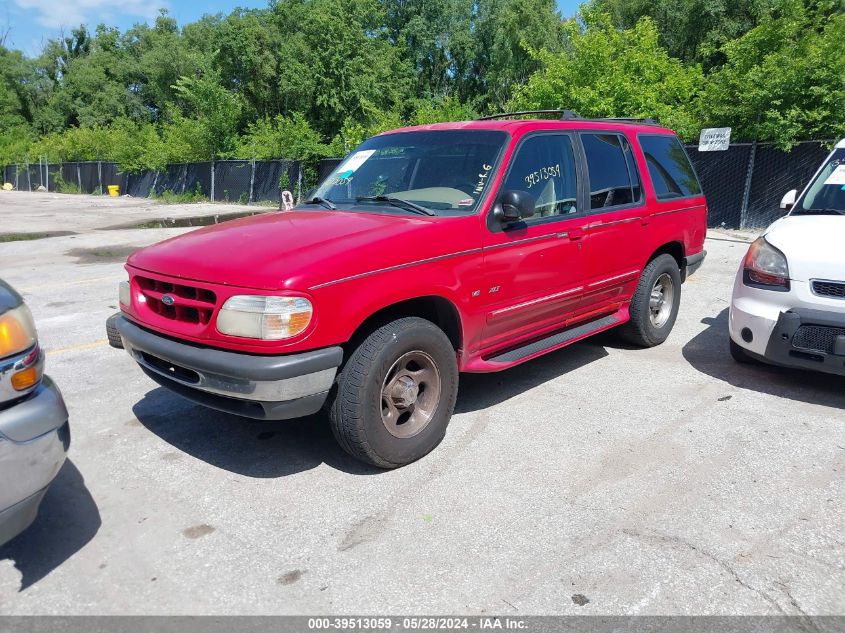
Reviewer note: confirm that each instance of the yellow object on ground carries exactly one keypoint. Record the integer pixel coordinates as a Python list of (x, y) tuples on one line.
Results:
[(114, 190), (7, 186)]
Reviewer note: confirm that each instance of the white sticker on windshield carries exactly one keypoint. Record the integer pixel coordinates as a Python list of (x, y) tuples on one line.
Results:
[(355, 161), (837, 176)]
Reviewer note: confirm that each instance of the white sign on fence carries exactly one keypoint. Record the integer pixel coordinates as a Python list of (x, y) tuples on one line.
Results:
[(714, 139)]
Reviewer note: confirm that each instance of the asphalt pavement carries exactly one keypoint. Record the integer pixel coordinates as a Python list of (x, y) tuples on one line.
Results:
[(600, 479)]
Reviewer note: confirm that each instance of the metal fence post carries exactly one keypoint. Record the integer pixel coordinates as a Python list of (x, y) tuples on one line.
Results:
[(100, 176), (28, 178), (251, 178), (212, 180), (743, 213), (78, 177)]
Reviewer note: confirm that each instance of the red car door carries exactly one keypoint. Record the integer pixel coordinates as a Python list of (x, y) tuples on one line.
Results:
[(534, 268), (616, 224)]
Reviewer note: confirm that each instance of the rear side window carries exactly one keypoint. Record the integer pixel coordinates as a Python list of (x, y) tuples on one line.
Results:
[(613, 175), (544, 166), (669, 167)]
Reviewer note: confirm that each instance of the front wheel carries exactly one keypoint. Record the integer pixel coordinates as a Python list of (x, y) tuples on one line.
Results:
[(396, 394), (654, 306)]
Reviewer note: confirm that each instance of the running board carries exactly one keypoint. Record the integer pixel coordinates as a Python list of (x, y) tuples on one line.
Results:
[(556, 340)]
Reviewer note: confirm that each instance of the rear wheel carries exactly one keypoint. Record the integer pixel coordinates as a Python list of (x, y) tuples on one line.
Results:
[(654, 306), (396, 393)]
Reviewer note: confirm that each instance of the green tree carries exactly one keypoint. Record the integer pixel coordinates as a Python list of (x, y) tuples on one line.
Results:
[(605, 72), (692, 30), (214, 116), (508, 33), (337, 63), (782, 80)]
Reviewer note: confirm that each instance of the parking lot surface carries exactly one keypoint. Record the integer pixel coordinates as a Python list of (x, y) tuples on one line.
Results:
[(600, 479)]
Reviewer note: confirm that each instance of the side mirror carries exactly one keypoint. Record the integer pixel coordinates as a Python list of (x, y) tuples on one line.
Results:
[(514, 205), (788, 200)]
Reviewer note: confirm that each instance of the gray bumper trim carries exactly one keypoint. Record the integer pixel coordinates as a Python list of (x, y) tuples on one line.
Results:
[(20, 516), (262, 387), (244, 366), (40, 412)]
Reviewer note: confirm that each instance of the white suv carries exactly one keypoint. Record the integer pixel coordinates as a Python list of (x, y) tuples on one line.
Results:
[(788, 304)]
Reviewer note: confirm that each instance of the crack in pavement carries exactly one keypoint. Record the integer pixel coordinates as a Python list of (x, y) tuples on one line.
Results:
[(676, 540)]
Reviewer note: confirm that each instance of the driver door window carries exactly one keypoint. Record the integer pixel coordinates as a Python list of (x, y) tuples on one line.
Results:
[(544, 167)]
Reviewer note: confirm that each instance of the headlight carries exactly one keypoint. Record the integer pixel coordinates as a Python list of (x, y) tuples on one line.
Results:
[(123, 293), (765, 267), (17, 331), (268, 318)]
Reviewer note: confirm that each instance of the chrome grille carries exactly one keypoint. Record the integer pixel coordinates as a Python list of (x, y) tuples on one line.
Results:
[(835, 289)]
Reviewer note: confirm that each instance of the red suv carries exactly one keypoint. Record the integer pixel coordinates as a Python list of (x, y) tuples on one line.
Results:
[(429, 251)]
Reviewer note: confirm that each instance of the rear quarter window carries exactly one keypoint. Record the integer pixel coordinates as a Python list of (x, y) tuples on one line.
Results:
[(669, 167)]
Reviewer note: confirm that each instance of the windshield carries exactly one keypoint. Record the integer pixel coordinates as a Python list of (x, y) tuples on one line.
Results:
[(440, 170), (827, 192)]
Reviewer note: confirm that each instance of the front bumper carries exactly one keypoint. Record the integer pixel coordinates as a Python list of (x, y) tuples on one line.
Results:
[(30, 457), (253, 386), (800, 338)]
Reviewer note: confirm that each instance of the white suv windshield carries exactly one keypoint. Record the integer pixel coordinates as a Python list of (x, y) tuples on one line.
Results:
[(827, 192), (444, 170)]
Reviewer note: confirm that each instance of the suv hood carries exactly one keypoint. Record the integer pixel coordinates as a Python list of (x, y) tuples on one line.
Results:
[(295, 249), (813, 245)]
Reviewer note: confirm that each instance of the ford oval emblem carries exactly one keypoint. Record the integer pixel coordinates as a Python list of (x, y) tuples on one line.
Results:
[(168, 300)]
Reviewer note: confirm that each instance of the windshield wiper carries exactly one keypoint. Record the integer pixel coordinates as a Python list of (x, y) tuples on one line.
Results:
[(397, 202), (322, 201), (820, 211)]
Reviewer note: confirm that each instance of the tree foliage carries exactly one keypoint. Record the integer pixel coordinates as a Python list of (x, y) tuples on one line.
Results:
[(310, 78), (607, 72)]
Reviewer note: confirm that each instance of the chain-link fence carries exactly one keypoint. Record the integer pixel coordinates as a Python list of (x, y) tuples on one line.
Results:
[(745, 183), (242, 181)]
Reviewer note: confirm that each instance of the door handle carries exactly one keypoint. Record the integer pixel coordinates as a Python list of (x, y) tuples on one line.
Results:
[(576, 234)]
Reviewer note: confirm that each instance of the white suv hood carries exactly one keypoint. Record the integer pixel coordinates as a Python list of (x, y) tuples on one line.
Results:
[(814, 245)]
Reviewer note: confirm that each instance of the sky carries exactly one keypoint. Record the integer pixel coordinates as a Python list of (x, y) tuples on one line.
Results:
[(33, 22)]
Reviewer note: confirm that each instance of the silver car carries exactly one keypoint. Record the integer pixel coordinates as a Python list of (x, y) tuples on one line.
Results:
[(34, 431)]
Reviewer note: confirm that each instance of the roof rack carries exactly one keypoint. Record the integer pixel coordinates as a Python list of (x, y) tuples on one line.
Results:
[(569, 115), (625, 119), (565, 115)]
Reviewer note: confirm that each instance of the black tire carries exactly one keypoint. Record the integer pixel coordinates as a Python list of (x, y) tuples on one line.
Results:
[(112, 332), (356, 405), (739, 354), (641, 330)]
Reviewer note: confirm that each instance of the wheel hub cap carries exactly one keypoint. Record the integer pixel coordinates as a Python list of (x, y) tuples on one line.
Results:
[(410, 394), (405, 392), (661, 301)]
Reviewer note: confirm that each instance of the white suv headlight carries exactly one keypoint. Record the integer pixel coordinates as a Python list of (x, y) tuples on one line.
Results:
[(268, 318)]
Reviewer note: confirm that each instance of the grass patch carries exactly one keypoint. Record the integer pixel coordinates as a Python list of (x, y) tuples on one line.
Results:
[(21, 237), (102, 254), (24, 237), (187, 197)]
